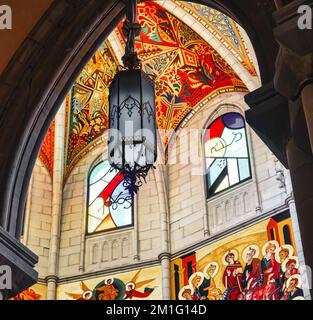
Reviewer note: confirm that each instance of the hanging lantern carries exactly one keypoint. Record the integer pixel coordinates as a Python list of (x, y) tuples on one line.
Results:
[(132, 134)]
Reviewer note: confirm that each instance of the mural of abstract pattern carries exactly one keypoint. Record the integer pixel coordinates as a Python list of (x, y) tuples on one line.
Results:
[(259, 263), (224, 28), (226, 153), (133, 285), (110, 204), (186, 68), (88, 114), (46, 154), (187, 71)]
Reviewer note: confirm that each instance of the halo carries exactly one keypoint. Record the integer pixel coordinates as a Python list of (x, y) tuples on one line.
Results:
[(295, 276), (107, 279), (298, 298), (89, 293), (274, 242), (245, 251), (284, 246), (234, 251), (283, 266), (205, 270), (180, 295), (130, 284), (200, 274)]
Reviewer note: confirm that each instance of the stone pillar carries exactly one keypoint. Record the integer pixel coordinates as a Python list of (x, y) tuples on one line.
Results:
[(165, 256), (136, 255), (298, 243), (165, 259), (301, 171), (307, 102), (293, 80), (57, 193)]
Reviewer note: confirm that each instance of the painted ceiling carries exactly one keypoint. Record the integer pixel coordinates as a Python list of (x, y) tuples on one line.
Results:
[(224, 28), (187, 69)]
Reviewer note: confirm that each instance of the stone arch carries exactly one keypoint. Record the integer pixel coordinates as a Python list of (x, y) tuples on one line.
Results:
[(45, 66)]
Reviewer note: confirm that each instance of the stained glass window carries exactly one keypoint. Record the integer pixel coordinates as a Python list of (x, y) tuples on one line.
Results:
[(110, 205), (226, 153)]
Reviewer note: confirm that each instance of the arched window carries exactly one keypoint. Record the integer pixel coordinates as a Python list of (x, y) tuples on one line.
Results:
[(287, 234), (226, 153), (110, 205)]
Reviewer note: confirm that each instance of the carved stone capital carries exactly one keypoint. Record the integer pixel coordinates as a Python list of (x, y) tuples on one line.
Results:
[(164, 255)]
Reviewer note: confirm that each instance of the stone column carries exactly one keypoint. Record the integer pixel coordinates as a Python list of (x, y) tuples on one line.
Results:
[(165, 256), (165, 259), (307, 102), (293, 80), (298, 243), (301, 171), (57, 194)]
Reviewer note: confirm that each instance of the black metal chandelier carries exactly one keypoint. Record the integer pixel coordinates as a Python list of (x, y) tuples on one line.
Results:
[(132, 135)]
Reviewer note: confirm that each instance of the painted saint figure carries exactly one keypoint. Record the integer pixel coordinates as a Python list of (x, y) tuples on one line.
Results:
[(252, 271), (232, 276), (133, 286)]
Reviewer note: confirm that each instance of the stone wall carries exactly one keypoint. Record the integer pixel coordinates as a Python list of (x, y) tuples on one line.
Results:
[(37, 225)]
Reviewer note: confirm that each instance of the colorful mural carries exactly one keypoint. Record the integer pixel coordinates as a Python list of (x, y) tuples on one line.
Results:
[(36, 292), (46, 154), (224, 28), (133, 285), (186, 68), (258, 263), (87, 116), (187, 71)]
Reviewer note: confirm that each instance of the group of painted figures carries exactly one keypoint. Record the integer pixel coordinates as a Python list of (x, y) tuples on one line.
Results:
[(274, 277), (116, 289)]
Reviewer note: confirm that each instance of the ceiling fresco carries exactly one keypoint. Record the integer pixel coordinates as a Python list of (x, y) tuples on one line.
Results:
[(87, 105), (223, 28), (187, 69)]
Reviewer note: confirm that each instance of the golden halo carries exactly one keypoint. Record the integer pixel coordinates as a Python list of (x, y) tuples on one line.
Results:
[(107, 280), (205, 270), (283, 266), (199, 274), (284, 246), (245, 251), (87, 295), (234, 251), (295, 276), (180, 295), (274, 242), (130, 284)]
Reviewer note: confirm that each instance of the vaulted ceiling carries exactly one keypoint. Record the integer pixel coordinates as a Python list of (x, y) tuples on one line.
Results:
[(195, 53)]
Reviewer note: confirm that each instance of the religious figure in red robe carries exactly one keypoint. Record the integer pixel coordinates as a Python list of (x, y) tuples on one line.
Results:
[(232, 277)]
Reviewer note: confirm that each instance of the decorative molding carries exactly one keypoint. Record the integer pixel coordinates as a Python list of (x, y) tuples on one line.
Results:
[(110, 271)]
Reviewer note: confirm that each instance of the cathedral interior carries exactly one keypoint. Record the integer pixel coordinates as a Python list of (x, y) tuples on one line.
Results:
[(226, 211)]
